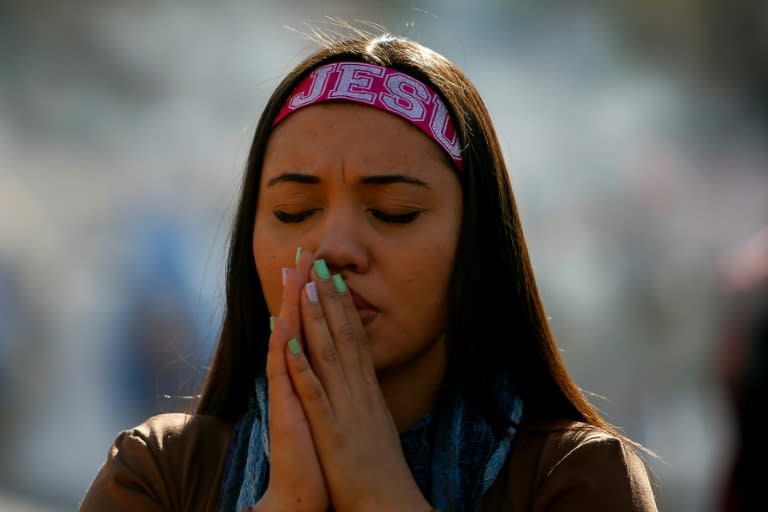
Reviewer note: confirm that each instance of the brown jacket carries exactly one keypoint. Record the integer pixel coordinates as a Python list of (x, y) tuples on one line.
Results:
[(174, 462)]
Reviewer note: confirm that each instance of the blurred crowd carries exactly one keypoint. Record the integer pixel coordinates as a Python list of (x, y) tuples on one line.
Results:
[(637, 137)]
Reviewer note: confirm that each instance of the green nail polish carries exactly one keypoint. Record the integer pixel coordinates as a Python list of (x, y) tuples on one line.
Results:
[(294, 347), (339, 283), (321, 269), (298, 255), (271, 323)]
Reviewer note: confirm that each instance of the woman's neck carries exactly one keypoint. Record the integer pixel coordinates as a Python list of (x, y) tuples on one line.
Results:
[(411, 390)]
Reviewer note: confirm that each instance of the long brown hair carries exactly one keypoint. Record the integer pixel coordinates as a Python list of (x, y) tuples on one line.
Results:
[(497, 324)]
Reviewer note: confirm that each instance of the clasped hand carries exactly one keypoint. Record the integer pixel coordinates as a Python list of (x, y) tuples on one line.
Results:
[(333, 441)]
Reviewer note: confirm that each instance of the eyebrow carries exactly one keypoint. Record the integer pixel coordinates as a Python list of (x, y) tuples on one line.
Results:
[(379, 179), (294, 177), (387, 179)]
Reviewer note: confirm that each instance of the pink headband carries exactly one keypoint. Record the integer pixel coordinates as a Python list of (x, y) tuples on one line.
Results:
[(383, 88)]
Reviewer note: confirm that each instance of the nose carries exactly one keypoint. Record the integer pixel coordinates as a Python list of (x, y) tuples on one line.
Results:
[(342, 242)]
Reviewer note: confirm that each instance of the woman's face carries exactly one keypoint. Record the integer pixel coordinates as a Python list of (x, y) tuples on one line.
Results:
[(380, 202)]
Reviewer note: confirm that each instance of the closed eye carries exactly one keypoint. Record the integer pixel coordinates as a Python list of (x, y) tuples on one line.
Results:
[(293, 218), (403, 218)]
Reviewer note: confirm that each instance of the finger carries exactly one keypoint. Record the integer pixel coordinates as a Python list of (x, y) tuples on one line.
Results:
[(293, 282), (352, 340), (304, 259), (320, 347), (280, 386), (341, 317), (289, 307), (309, 389)]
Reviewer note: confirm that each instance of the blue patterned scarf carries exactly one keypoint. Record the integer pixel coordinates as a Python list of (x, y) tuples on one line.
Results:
[(446, 453)]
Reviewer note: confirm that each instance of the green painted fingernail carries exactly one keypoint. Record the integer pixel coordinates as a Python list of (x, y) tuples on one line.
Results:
[(339, 283), (271, 323), (293, 346), (298, 255), (321, 269)]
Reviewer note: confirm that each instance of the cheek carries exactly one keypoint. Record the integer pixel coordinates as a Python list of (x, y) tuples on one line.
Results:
[(269, 269), (425, 284)]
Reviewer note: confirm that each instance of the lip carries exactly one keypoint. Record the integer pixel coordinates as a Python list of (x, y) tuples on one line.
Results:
[(364, 308)]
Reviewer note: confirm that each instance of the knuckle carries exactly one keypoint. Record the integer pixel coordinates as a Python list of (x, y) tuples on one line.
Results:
[(314, 393), (316, 312), (329, 355), (346, 332), (301, 366)]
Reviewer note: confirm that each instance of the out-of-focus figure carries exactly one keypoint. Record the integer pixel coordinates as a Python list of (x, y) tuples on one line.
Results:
[(742, 363), (156, 358)]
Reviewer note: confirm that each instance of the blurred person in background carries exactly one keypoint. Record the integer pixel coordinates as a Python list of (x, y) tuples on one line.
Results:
[(742, 362), (154, 360), (21, 335), (10, 315), (384, 345)]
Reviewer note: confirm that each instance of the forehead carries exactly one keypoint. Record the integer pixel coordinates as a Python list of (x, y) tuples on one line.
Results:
[(353, 134)]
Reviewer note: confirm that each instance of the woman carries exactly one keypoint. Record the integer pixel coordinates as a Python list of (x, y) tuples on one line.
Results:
[(384, 346)]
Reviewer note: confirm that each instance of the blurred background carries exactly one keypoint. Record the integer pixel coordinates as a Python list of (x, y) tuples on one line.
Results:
[(635, 133)]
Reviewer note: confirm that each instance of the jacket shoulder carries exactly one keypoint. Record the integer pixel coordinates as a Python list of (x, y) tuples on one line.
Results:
[(572, 466), (171, 461), (173, 434)]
